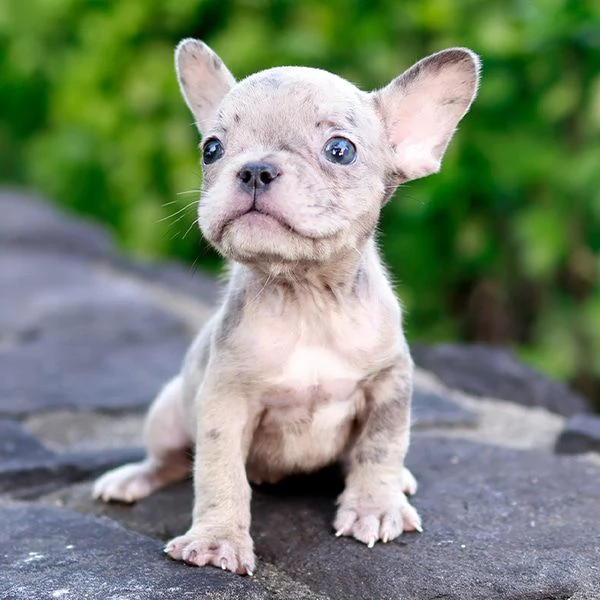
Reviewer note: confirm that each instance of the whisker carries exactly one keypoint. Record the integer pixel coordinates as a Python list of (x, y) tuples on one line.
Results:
[(194, 222), (329, 206), (188, 192), (177, 220), (194, 262), (357, 250), (268, 280), (183, 209)]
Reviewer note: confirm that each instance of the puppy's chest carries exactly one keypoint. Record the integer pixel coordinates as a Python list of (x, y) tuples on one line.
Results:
[(311, 366), (313, 374), (314, 387)]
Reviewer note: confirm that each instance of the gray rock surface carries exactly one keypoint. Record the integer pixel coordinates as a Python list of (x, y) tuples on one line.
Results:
[(65, 327), (430, 409), (52, 553), (494, 372), (27, 468), (86, 339), (17, 444), (73, 430), (31, 223), (498, 524), (67, 318), (28, 222), (30, 478), (172, 276), (581, 434)]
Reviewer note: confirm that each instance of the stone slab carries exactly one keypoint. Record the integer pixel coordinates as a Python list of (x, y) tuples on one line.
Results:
[(83, 330), (30, 222), (27, 476), (430, 409), (495, 373), (71, 337), (50, 553), (175, 277), (72, 430), (28, 468), (581, 434), (163, 515), (499, 523), (18, 444)]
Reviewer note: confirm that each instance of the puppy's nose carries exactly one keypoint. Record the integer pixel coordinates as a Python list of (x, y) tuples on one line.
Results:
[(255, 177)]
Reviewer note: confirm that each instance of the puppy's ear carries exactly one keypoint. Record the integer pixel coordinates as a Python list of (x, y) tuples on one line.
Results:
[(422, 107), (203, 78)]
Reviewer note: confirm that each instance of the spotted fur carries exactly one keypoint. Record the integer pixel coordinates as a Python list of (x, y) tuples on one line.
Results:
[(305, 362)]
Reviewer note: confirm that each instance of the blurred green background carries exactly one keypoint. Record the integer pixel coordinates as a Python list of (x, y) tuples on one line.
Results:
[(500, 247)]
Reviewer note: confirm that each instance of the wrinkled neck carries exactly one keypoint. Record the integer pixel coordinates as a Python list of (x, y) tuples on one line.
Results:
[(334, 281)]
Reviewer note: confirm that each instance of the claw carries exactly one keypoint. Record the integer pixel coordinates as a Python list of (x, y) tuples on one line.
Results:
[(224, 564), (249, 571), (385, 539), (371, 543), (168, 548), (339, 533), (418, 528), (190, 556)]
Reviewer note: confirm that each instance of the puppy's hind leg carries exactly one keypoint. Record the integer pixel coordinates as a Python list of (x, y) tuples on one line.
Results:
[(168, 447)]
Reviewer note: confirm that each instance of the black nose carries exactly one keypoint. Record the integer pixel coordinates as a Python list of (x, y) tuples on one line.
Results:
[(255, 177)]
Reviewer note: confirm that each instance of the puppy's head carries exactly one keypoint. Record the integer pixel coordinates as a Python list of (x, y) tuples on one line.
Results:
[(298, 162)]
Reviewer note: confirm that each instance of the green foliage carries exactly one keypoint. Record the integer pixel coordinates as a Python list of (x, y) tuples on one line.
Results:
[(501, 246)]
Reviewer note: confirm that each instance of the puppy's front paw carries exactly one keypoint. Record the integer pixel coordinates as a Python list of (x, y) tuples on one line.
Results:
[(227, 550), (369, 518)]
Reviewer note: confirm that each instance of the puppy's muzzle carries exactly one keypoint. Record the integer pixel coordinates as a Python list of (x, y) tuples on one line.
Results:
[(256, 177)]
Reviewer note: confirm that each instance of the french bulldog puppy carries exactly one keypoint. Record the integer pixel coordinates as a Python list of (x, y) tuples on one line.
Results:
[(305, 362)]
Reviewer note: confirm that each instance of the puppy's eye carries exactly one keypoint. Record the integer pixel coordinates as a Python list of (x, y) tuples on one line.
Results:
[(212, 151), (340, 151)]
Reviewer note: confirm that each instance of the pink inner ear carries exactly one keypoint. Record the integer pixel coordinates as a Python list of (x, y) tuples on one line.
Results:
[(204, 80), (420, 136), (418, 142), (423, 108)]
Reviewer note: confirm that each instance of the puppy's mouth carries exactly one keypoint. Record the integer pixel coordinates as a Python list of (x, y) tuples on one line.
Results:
[(255, 217)]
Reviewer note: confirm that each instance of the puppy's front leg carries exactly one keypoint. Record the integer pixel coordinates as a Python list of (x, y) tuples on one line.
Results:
[(373, 505), (220, 531)]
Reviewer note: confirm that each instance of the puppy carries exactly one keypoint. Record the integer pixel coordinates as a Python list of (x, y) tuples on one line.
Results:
[(305, 362)]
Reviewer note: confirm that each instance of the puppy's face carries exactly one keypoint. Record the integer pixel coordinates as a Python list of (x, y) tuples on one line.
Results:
[(293, 168), (297, 162)]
